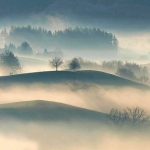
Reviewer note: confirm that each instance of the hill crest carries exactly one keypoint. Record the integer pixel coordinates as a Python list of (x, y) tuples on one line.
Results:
[(54, 77), (39, 110)]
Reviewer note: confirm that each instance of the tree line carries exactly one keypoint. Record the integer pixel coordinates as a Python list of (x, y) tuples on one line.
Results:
[(133, 118), (23, 49), (127, 70), (71, 38), (11, 64)]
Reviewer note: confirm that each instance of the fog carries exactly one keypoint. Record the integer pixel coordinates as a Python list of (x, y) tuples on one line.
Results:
[(53, 23), (16, 143), (66, 136), (136, 41), (93, 38), (139, 41), (99, 98)]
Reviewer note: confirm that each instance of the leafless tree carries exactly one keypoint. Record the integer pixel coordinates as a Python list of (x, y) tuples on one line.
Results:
[(118, 117), (137, 116), (56, 62)]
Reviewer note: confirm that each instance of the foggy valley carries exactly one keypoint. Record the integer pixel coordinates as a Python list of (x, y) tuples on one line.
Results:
[(74, 74)]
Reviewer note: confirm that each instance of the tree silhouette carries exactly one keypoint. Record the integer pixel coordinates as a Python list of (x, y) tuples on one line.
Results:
[(137, 116), (11, 47), (74, 64), (70, 38), (56, 62), (25, 49), (9, 61), (118, 117), (133, 117)]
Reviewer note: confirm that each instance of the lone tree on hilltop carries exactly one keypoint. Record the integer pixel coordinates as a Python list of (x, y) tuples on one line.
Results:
[(56, 62), (74, 64), (9, 61)]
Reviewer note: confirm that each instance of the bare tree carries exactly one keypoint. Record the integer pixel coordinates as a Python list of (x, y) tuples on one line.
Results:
[(135, 117), (56, 62), (118, 117)]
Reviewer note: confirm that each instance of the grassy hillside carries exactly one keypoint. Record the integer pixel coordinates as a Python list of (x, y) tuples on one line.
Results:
[(91, 77), (47, 111)]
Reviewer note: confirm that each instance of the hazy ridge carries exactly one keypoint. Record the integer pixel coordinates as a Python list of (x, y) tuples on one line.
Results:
[(94, 77), (47, 111)]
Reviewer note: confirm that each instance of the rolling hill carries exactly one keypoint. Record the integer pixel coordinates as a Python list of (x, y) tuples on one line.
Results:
[(47, 111), (54, 77)]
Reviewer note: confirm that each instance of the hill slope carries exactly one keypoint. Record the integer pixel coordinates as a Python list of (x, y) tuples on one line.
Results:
[(47, 111), (91, 77)]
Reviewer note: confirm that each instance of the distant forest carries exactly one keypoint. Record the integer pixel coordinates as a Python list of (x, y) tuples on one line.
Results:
[(71, 38)]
